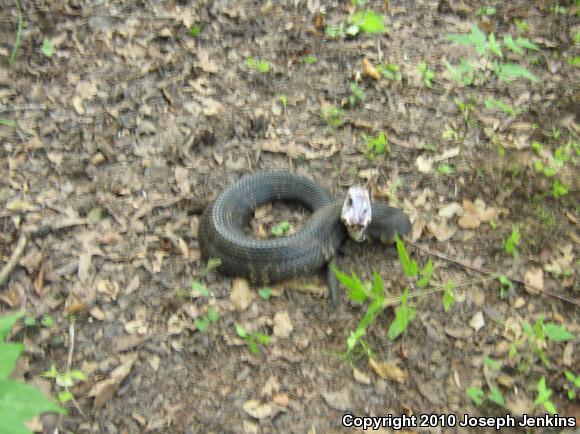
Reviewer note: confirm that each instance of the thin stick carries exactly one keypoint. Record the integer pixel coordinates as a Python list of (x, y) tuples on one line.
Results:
[(492, 273), (14, 258)]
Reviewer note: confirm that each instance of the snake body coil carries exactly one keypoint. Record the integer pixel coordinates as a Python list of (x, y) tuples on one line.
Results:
[(222, 226)]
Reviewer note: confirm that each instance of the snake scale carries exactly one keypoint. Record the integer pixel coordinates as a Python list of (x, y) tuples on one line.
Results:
[(222, 227)]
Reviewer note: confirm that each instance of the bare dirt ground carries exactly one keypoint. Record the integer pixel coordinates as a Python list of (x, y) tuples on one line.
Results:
[(110, 146)]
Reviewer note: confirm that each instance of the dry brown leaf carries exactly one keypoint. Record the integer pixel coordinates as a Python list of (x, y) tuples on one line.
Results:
[(441, 230), (133, 285), (105, 390), (361, 377), (181, 178), (388, 370), (369, 70), (257, 409), (282, 324), (11, 297), (477, 322), (281, 399), (241, 296), (534, 280), (469, 221), (512, 329)]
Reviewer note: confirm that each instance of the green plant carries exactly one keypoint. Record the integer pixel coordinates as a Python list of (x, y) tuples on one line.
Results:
[(477, 395), (19, 402), (195, 30), (488, 47), (445, 169), (260, 65), (253, 340), (543, 398), (505, 285), (45, 321), (47, 47), (376, 145), (538, 335), (281, 228), (333, 116), (197, 290), (512, 242), (486, 10), (362, 21), (558, 9), (203, 322), (466, 109), (309, 59), (265, 293), (492, 103), (64, 380), (403, 317), (7, 122), (18, 33), (521, 25), (575, 384), (357, 95), (390, 71), (427, 74), (283, 100)]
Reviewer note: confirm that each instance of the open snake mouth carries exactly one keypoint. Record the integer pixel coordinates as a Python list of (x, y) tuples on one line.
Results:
[(356, 212)]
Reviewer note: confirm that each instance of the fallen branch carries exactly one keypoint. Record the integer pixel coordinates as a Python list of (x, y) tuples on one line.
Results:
[(493, 273)]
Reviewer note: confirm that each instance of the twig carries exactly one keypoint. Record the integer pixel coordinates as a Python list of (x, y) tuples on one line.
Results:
[(492, 273), (14, 258)]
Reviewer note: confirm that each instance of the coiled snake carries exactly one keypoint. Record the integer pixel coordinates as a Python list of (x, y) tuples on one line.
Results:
[(222, 226)]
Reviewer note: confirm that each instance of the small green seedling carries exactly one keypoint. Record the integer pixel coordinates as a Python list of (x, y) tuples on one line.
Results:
[(505, 285), (265, 293), (283, 100), (486, 10), (281, 228), (260, 65), (357, 95), (559, 189), (47, 47), (365, 21), (19, 402), (195, 30), (477, 395), (65, 380), (428, 74), (519, 44), (492, 103), (333, 116), (7, 122), (543, 398), (390, 71), (253, 340), (445, 169), (522, 25), (310, 59), (558, 9), (575, 384), (45, 321), (376, 145), (448, 296), (203, 322), (213, 264), (512, 242)]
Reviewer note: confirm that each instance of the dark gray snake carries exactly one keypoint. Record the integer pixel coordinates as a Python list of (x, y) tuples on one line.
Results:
[(222, 226)]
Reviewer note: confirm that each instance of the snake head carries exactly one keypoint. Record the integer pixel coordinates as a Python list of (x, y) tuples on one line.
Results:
[(356, 212)]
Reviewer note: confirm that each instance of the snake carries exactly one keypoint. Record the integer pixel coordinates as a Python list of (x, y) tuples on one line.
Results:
[(222, 230)]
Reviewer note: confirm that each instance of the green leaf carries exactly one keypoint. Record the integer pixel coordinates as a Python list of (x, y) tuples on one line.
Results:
[(64, 396), (335, 31), (47, 47), (557, 333), (7, 122), (201, 324), (539, 166), (476, 395), (369, 22), (356, 290), (426, 274), (281, 228), (549, 172), (496, 396), (7, 322), (445, 169), (494, 47), (492, 363), (263, 66), (510, 43), (526, 43), (378, 287), (544, 392), (198, 289), (508, 71), (263, 338), (265, 293), (195, 30), (403, 318), (213, 315), (47, 321), (448, 296), (29, 321), (241, 331), (309, 59), (24, 401), (9, 355), (575, 380), (409, 267), (558, 189)]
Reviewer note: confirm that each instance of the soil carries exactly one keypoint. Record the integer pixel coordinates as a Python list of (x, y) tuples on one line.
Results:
[(135, 122)]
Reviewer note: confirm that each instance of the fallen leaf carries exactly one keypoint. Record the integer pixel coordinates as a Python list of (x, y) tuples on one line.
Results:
[(369, 70), (388, 370), (469, 221), (257, 409), (361, 377), (477, 322), (241, 296), (441, 230), (106, 389), (339, 400), (534, 280), (282, 324)]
